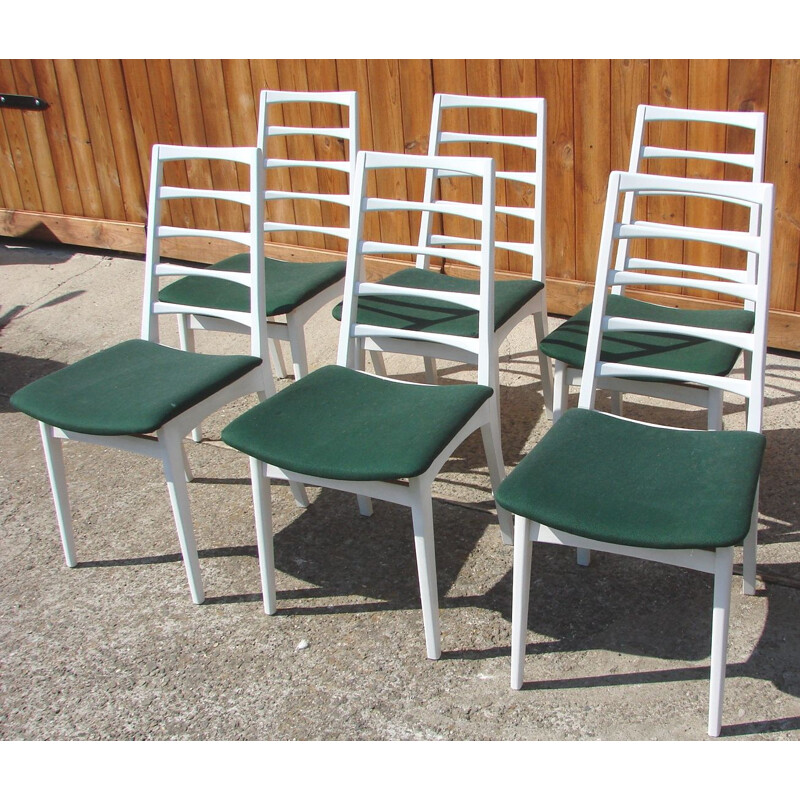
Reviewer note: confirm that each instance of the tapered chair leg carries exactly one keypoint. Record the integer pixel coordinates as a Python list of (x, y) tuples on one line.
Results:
[(297, 347), (422, 515), (749, 555), (545, 367), (494, 458), (58, 484), (179, 497), (523, 550), (262, 506), (714, 409), (719, 638), (560, 390), (276, 357), (431, 376)]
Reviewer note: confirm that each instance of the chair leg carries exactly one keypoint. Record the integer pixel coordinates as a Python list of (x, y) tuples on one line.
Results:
[(186, 342), (560, 389), (616, 403), (54, 458), (490, 434), (262, 507), (545, 367), (750, 554), (719, 637), (179, 497), (431, 375), (523, 551), (583, 556), (422, 515), (378, 363), (276, 357), (714, 409), (297, 347)]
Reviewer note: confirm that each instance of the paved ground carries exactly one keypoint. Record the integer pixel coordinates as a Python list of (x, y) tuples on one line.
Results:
[(114, 649)]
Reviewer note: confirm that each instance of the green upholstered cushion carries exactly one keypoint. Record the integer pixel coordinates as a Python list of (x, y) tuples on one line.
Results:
[(429, 315), (567, 343), (619, 481), (342, 424), (288, 285), (131, 388)]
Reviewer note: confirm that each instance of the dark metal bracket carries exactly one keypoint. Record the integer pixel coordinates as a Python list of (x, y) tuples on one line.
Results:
[(25, 102)]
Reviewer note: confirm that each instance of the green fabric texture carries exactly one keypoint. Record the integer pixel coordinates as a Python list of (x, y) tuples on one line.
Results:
[(613, 480), (288, 285), (342, 424), (419, 314), (131, 388), (666, 351)]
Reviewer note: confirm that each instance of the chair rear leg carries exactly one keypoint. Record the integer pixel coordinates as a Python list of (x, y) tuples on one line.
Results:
[(523, 551), (431, 375), (422, 515), (276, 357), (378, 363), (750, 553), (545, 367), (54, 458), (186, 342), (719, 637), (715, 409), (560, 389), (262, 507), (490, 433), (172, 456), (297, 347)]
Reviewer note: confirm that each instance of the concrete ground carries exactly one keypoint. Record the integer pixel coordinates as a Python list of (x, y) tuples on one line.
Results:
[(115, 650)]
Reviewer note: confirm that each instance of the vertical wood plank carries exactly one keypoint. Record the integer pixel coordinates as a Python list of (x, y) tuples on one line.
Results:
[(592, 82), (322, 77), (708, 90), (213, 102), (783, 166), (669, 87), (387, 133), (58, 138), (353, 76), (554, 83), (97, 121), (79, 139), (518, 79), (123, 139), (19, 147), (35, 127), (192, 132)]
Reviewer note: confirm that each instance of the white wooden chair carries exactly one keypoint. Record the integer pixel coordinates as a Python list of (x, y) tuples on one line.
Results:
[(306, 194), (567, 344), (515, 300), (378, 437), (142, 396), (672, 495)]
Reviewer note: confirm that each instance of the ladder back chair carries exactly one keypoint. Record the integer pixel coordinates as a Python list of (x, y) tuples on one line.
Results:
[(342, 428), (567, 344), (672, 495), (309, 157), (520, 209), (142, 396)]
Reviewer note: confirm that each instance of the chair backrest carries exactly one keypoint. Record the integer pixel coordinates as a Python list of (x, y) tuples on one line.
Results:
[(519, 150), (477, 253), (162, 194), (725, 130), (746, 286), (309, 160), (746, 120)]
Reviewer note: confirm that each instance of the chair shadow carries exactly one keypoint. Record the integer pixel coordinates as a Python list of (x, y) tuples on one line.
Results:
[(17, 371)]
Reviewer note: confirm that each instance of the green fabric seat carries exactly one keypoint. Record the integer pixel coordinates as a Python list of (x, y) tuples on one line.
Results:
[(288, 285), (437, 317), (132, 388), (567, 343), (337, 423), (622, 482)]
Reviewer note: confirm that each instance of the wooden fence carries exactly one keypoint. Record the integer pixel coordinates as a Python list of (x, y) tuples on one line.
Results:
[(78, 172)]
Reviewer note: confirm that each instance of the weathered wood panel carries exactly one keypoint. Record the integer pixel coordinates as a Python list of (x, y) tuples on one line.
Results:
[(79, 171)]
